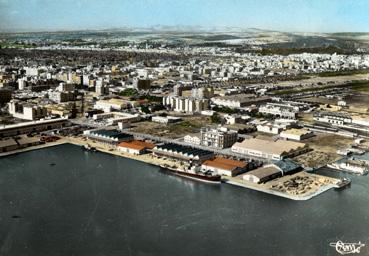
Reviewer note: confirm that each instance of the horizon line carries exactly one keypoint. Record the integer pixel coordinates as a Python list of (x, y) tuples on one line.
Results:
[(170, 28)]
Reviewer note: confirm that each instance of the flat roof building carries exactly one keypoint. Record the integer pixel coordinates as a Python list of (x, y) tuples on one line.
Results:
[(273, 150), (296, 134)]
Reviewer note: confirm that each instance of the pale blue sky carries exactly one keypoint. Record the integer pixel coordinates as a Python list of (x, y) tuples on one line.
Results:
[(285, 15)]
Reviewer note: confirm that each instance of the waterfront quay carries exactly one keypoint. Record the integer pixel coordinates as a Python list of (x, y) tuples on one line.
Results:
[(320, 183)]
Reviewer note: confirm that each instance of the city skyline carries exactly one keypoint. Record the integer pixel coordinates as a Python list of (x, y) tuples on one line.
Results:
[(307, 16)]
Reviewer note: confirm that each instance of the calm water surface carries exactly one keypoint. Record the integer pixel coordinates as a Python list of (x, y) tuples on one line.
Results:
[(98, 204)]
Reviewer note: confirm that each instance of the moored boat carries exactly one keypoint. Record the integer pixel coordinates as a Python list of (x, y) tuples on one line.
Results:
[(343, 183), (193, 174)]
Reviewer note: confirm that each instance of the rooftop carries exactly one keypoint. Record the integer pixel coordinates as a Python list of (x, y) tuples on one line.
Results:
[(225, 164), (264, 171), (295, 131), (137, 144), (270, 147)]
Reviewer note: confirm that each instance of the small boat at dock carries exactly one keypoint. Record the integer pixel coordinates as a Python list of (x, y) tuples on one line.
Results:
[(89, 148), (343, 183)]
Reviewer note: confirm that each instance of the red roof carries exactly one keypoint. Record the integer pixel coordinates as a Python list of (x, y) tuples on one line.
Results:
[(225, 164), (136, 144)]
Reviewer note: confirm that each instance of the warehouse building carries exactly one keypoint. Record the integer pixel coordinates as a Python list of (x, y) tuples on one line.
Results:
[(272, 171), (33, 126), (182, 152), (273, 150), (135, 147), (8, 144), (223, 166), (296, 134), (108, 137)]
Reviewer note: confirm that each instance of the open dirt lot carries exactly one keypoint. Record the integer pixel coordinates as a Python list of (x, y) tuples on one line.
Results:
[(325, 148), (189, 125)]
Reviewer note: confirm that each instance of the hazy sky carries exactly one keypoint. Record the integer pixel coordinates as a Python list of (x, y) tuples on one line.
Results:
[(285, 15)]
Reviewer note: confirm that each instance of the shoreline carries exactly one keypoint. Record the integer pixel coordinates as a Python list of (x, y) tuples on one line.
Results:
[(280, 194), (41, 146), (149, 159)]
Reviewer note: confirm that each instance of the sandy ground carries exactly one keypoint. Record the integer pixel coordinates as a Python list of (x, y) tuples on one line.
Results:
[(147, 158), (325, 148), (189, 125), (319, 184), (324, 80)]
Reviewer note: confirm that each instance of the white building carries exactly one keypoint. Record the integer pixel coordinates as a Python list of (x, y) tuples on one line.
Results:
[(110, 105), (335, 118), (296, 134), (27, 111), (274, 150), (186, 104), (280, 110), (192, 140), (220, 137), (269, 128), (165, 119)]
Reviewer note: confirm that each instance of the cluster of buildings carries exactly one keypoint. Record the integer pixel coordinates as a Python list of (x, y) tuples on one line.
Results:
[(219, 137)]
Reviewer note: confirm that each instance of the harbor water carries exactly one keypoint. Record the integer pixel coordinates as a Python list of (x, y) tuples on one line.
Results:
[(63, 200)]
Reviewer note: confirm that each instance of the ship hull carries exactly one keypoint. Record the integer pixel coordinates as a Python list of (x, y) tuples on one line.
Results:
[(203, 178)]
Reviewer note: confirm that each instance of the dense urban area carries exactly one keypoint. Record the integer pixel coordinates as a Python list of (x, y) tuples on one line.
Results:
[(257, 112)]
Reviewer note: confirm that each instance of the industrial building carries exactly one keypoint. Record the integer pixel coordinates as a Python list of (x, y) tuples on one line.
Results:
[(113, 118), (280, 110), (335, 118), (166, 119), (18, 142), (182, 152), (110, 105), (33, 126), (240, 100), (135, 147), (223, 166), (268, 149), (272, 171), (108, 137), (296, 134)]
